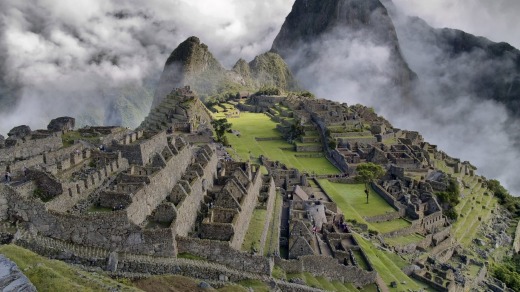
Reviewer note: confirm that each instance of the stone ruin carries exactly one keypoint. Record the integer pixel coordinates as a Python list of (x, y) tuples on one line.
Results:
[(163, 190)]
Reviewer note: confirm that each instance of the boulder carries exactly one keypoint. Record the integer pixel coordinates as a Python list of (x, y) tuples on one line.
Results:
[(19, 132), (204, 285), (2, 141), (12, 279), (61, 124)]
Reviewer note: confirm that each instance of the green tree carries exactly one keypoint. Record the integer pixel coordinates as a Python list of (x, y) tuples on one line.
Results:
[(368, 172), (221, 126)]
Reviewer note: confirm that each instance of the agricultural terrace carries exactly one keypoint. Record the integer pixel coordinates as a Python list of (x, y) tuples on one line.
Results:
[(258, 125), (389, 265)]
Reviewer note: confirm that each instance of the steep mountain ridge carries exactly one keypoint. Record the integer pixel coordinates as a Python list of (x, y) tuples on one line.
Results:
[(475, 65), (191, 63), (314, 21)]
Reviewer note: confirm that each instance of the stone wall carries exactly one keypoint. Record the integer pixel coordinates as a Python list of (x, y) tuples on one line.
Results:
[(217, 231), (351, 140), (403, 231), (269, 213), (248, 205), (339, 160), (142, 151), (75, 191), (31, 147), (409, 248), (221, 252), (107, 230), (433, 221), (188, 207), (436, 286), (329, 268), (441, 235), (151, 195), (384, 217), (309, 148), (388, 198), (516, 242), (4, 203)]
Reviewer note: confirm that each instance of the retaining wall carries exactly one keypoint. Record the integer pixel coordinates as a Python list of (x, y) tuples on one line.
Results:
[(221, 252)]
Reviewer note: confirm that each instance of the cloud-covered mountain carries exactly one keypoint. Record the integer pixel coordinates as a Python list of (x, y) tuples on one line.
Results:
[(192, 63), (465, 95)]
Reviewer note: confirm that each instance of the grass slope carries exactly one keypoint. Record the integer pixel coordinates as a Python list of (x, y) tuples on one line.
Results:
[(254, 231), (53, 275), (387, 267)]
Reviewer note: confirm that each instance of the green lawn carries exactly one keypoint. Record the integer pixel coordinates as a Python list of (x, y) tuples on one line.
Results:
[(389, 226), (254, 232), (272, 241), (404, 240), (352, 197), (251, 125)]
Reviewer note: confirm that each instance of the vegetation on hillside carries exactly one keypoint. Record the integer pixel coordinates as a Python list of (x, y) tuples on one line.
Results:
[(54, 275), (512, 204), (509, 272), (221, 126), (269, 91), (450, 198)]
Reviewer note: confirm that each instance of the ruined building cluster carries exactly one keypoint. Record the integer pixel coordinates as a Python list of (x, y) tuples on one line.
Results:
[(135, 200)]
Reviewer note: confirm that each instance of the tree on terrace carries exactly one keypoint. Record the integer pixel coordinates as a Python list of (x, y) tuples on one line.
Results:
[(220, 126), (368, 172)]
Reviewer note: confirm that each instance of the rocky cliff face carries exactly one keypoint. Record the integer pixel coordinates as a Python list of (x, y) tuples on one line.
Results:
[(313, 23), (461, 63), (191, 63)]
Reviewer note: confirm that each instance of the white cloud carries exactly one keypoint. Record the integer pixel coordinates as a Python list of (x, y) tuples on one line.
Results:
[(76, 50)]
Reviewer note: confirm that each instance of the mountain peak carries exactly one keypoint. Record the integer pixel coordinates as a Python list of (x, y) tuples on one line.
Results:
[(185, 65), (312, 23)]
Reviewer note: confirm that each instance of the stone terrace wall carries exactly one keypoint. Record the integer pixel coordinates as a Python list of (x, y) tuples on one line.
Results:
[(142, 151), (384, 217), (403, 231), (147, 198), (328, 267), (107, 230), (73, 192), (409, 248), (187, 209), (222, 253), (248, 205), (31, 147)]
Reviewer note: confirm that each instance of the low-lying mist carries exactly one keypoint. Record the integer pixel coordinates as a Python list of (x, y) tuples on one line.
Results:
[(350, 68)]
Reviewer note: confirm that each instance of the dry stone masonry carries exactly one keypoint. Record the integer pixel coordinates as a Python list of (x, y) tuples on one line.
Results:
[(138, 201)]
